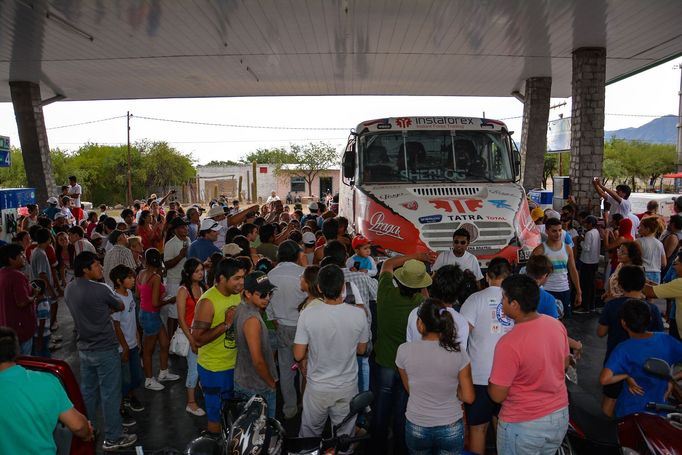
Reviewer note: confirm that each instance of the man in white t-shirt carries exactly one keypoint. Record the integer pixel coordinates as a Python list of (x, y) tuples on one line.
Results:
[(272, 198), (330, 336), (487, 324), (618, 199), (447, 286), (75, 192), (174, 257), (588, 263), (459, 255)]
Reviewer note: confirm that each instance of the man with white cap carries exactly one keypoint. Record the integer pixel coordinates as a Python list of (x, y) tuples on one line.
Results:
[(217, 214), (203, 247), (52, 208)]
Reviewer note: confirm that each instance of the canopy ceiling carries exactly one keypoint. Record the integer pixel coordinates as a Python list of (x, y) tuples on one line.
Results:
[(117, 49)]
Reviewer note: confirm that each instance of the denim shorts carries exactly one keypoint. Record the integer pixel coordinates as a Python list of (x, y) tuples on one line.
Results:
[(442, 439), (541, 436), (151, 323), (653, 276)]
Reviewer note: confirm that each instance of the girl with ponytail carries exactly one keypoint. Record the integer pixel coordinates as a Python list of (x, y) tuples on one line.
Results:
[(436, 373)]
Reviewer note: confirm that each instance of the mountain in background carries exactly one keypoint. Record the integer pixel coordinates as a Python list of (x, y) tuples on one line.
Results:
[(662, 130)]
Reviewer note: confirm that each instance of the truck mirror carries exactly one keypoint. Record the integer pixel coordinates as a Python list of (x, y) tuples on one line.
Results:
[(517, 164), (348, 165)]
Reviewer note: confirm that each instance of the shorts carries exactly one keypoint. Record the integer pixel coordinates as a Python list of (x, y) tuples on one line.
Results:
[(217, 386), (169, 311), (613, 390), (653, 276), (151, 323), (483, 409)]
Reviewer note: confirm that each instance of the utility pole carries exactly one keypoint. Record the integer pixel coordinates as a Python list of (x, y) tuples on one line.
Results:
[(130, 172), (679, 123)]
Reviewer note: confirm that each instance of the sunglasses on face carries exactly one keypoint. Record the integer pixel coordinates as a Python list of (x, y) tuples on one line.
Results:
[(266, 295)]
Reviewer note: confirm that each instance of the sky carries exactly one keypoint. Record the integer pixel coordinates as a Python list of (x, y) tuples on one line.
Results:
[(629, 103)]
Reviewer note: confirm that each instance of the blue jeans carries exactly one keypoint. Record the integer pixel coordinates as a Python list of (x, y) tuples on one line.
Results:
[(131, 372), (390, 400), (653, 276), (192, 372), (363, 381), (45, 350), (440, 440), (541, 436), (26, 347), (565, 297), (101, 384), (270, 397)]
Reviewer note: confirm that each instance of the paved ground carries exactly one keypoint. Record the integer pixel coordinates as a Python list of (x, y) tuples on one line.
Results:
[(165, 424)]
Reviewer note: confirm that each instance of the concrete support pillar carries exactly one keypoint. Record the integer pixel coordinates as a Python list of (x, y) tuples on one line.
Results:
[(35, 149), (587, 123), (534, 130)]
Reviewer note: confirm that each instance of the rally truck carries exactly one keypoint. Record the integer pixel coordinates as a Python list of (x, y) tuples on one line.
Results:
[(409, 182)]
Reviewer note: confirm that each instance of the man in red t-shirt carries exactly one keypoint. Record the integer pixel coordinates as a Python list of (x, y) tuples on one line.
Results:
[(17, 306), (528, 377)]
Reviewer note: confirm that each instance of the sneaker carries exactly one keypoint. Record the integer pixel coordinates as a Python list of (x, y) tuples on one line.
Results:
[(126, 419), (133, 404), (197, 412), (124, 441), (153, 384), (165, 375)]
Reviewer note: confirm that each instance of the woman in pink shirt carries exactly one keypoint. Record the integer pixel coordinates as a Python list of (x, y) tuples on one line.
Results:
[(152, 297)]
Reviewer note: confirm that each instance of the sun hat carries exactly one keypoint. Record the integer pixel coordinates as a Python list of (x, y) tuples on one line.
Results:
[(537, 213), (552, 214), (231, 249), (413, 275), (216, 210), (313, 207), (209, 225), (52, 200)]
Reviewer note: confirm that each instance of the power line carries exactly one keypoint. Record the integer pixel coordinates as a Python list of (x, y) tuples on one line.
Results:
[(221, 142), (227, 125), (86, 123)]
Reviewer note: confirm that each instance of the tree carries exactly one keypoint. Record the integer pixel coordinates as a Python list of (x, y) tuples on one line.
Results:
[(638, 160), (218, 163), (270, 156), (551, 166), (309, 161)]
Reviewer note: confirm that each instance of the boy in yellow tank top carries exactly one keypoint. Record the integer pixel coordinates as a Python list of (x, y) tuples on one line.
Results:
[(212, 329)]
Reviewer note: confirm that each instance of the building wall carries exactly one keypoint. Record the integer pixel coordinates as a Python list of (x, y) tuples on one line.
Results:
[(211, 177)]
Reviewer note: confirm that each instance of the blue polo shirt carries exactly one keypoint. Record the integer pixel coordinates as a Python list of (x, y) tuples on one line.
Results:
[(202, 249)]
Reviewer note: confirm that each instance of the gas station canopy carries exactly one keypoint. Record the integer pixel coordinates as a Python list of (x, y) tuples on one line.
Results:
[(102, 49)]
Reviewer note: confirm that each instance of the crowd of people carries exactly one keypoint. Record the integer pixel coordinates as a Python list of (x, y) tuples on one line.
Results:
[(269, 297)]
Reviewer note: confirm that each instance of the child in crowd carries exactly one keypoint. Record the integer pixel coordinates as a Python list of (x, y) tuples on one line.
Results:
[(125, 327), (41, 339), (653, 253), (309, 240), (362, 260)]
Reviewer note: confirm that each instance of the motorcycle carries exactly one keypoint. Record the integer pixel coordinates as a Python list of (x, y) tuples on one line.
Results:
[(590, 431), (246, 429)]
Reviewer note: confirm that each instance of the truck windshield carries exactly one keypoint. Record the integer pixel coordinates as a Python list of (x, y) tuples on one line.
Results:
[(434, 156)]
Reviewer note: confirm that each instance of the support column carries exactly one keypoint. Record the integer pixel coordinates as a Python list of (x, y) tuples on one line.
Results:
[(534, 130), (587, 123), (35, 149)]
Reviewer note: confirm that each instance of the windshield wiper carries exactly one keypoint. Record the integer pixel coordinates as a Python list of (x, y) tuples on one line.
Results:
[(485, 177)]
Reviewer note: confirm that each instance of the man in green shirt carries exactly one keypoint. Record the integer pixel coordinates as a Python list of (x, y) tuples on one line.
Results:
[(33, 403), (394, 305)]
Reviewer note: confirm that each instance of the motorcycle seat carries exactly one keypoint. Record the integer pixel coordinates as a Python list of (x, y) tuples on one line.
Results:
[(586, 414)]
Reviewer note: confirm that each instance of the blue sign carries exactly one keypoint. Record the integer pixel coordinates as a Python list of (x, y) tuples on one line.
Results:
[(431, 219), (5, 160)]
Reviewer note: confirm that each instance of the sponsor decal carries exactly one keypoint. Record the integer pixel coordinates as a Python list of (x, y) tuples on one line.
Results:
[(380, 228), (444, 121), (403, 122), (430, 219), (412, 205), (385, 197), (487, 123), (496, 218), (502, 193), (457, 205), (465, 217), (500, 204), (501, 317)]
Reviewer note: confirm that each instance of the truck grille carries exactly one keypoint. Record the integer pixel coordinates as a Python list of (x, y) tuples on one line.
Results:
[(446, 190), (491, 236)]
